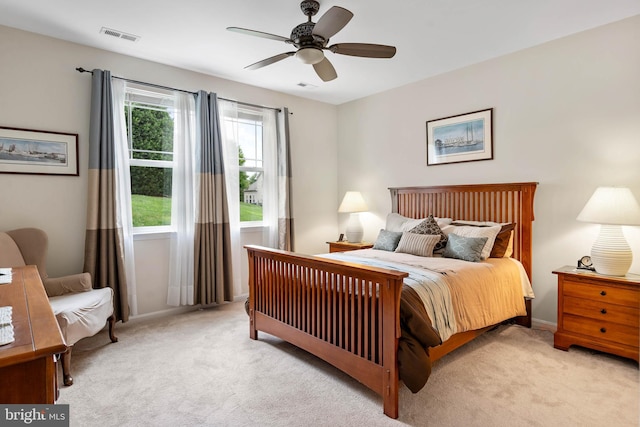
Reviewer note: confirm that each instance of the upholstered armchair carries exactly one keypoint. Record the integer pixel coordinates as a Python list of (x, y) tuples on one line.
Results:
[(81, 311)]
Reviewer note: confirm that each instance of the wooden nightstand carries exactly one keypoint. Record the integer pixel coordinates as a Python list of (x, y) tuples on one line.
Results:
[(598, 312), (347, 246)]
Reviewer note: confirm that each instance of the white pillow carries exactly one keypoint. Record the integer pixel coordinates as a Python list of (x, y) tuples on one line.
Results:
[(397, 222), (443, 221), (470, 231), (477, 223), (418, 244)]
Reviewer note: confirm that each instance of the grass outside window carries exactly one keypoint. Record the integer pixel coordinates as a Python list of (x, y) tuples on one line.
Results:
[(149, 211)]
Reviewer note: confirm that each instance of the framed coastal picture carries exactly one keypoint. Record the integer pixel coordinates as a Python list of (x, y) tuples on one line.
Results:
[(462, 138), (38, 152)]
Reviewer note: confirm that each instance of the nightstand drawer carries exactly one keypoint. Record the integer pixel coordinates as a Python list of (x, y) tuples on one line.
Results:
[(601, 330), (602, 311), (608, 294)]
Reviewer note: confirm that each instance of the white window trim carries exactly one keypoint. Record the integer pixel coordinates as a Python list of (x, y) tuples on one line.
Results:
[(137, 97), (251, 224), (153, 233)]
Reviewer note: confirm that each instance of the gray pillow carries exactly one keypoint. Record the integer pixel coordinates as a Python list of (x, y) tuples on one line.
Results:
[(464, 248), (430, 226), (387, 240), (417, 244)]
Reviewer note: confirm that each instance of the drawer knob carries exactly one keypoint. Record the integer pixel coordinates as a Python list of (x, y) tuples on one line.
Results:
[(603, 330), (603, 311), (603, 293)]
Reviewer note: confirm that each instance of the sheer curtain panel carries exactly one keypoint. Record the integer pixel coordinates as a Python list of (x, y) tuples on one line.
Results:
[(123, 189), (278, 216), (183, 206)]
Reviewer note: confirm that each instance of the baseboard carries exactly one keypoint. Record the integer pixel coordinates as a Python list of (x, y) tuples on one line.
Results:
[(179, 310), (544, 325), (163, 313), (241, 298)]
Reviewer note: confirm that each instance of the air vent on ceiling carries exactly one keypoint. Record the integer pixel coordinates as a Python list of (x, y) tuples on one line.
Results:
[(119, 34), (307, 85)]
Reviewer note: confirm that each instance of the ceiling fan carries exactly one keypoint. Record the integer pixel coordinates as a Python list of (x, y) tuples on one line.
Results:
[(311, 39)]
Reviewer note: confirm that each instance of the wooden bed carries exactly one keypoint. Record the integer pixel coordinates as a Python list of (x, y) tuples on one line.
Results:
[(349, 314)]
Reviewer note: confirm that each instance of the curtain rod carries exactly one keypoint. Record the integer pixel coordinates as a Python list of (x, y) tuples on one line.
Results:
[(82, 70)]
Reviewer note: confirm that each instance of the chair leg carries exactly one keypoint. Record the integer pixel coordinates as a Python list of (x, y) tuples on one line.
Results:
[(112, 324), (66, 367), (66, 356)]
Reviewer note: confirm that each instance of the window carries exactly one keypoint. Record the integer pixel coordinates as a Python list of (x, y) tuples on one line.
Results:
[(152, 118), (149, 123), (246, 128)]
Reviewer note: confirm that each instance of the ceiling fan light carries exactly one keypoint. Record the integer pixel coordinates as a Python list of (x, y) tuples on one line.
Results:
[(310, 55)]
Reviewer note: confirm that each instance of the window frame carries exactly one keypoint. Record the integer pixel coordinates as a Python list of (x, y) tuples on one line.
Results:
[(247, 114), (157, 100)]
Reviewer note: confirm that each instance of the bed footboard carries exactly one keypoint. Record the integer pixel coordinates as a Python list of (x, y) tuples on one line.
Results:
[(344, 313)]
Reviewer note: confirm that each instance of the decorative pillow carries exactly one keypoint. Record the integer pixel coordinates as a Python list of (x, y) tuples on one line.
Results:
[(490, 232), (397, 222), (443, 221), (387, 240), (476, 223), (464, 248), (509, 252), (503, 244), (430, 226), (417, 244)]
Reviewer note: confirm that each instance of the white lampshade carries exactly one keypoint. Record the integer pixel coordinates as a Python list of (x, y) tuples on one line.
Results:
[(310, 55), (611, 207), (353, 203)]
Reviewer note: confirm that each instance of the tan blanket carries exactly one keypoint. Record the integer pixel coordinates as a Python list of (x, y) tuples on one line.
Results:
[(486, 293), (458, 296)]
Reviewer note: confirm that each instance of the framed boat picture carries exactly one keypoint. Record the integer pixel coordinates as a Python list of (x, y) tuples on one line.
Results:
[(462, 138), (38, 152)]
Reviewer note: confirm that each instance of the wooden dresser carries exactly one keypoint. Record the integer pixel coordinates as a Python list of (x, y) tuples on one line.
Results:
[(598, 312), (28, 365)]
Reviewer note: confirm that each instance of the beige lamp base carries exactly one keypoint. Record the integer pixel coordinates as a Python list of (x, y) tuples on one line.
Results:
[(611, 254)]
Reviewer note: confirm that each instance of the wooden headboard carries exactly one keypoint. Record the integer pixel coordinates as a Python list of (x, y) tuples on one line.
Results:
[(476, 202)]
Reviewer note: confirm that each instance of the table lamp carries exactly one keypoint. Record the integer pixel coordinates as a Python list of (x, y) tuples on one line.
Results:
[(611, 207), (353, 203)]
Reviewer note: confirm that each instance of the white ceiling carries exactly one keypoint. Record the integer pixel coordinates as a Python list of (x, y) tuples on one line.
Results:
[(431, 36)]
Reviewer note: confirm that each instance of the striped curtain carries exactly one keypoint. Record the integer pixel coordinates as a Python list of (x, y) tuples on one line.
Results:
[(213, 282), (104, 244)]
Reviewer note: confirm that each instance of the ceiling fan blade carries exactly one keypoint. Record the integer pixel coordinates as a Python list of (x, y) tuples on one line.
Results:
[(269, 61), (331, 22), (325, 70), (363, 49), (258, 34)]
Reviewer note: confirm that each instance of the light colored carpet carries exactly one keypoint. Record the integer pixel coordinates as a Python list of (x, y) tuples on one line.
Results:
[(201, 369)]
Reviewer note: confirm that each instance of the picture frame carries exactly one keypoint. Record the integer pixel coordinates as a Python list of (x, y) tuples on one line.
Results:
[(38, 152), (461, 138)]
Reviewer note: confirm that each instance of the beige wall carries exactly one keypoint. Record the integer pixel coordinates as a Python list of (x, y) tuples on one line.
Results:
[(566, 114), (40, 89)]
